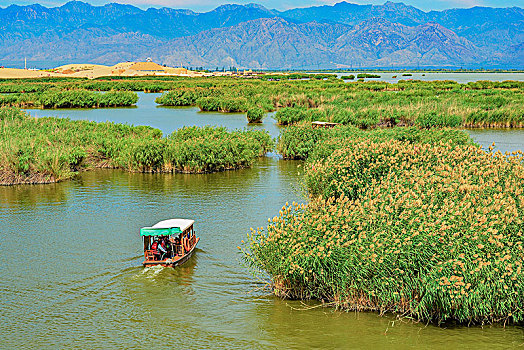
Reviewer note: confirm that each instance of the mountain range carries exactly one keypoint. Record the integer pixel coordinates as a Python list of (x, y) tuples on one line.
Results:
[(391, 35)]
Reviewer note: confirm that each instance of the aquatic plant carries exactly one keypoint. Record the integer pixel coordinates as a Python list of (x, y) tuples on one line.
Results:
[(302, 141), (367, 75), (41, 150), (290, 115), (222, 104), (208, 149), (255, 115), (180, 97), (427, 104), (53, 98), (428, 231)]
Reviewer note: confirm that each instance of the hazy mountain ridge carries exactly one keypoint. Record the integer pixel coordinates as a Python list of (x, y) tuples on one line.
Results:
[(393, 34), (273, 43), (484, 26)]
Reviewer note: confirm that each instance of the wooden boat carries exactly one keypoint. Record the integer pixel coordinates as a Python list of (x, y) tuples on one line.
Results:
[(180, 239), (319, 124)]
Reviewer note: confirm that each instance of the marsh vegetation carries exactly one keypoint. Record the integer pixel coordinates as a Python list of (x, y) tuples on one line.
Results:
[(43, 150), (405, 214), (430, 229), (307, 97), (77, 98)]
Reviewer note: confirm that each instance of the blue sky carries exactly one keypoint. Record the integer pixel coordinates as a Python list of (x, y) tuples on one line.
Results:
[(206, 5)]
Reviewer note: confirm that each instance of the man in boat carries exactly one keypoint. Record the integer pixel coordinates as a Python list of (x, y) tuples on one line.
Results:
[(169, 247), (162, 247), (154, 248), (174, 242)]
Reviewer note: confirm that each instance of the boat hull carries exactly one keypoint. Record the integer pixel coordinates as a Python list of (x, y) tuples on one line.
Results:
[(172, 262)]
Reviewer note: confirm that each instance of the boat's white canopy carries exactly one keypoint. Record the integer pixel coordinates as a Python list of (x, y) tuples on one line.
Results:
[(182, 224)]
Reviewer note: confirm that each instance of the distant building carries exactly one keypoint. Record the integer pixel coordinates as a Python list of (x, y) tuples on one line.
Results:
[(147, 67)]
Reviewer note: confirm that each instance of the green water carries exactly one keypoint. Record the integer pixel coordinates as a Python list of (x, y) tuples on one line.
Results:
[(71, 274)]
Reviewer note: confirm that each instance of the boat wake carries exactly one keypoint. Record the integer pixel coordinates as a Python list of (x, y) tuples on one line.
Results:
[(151, 271)]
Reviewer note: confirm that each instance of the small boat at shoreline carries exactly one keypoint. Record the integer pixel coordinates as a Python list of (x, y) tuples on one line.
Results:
[(169, 242)]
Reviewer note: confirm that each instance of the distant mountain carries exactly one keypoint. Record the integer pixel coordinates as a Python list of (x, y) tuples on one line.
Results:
[(28, 21), (388, 35), (277, 43), (486, 27), (349, 13)]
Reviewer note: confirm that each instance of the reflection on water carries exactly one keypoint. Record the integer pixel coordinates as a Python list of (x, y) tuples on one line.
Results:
[(29, 196), (291, 324), (71, 274)]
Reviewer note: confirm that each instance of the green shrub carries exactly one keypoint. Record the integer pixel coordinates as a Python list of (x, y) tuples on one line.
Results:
[(434, 120), (290, 115), (367, 75), (255, 115)]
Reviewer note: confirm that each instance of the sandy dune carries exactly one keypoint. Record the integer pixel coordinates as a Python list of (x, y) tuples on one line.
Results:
[(14, 73), (87, 70)]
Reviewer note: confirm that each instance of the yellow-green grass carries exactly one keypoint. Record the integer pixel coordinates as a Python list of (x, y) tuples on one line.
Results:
[(432, 231)]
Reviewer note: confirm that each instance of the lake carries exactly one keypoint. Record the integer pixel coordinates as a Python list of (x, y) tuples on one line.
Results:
[(461, 78), (71, 273)]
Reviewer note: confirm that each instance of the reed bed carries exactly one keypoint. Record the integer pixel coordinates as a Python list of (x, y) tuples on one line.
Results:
[(308, 97), (431, 231), (48, 150), (367, 76), (69, 99), (255, 115), (365, 104), (302, 141)]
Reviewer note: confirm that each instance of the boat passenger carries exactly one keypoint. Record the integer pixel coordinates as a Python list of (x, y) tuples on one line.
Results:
[(162, 248), (169, 247), (154, 248)]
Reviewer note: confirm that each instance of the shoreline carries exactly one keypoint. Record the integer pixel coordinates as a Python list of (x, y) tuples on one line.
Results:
[(46, 179)]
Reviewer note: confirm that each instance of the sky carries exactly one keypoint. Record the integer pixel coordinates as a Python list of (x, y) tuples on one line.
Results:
[(206, 5)]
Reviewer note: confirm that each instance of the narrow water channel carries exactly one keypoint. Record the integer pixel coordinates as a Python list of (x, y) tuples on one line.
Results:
[(70, 274)]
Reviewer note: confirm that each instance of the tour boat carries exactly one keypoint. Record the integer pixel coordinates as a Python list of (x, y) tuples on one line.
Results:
[(179, 240), (319, 124)]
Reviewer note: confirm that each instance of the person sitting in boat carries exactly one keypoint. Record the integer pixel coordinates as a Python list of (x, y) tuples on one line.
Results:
[(174, 244), (154, 248), (162, 248), (169, 247)]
